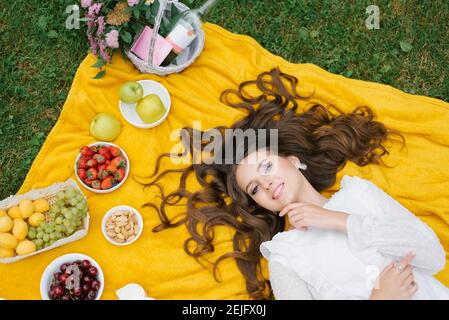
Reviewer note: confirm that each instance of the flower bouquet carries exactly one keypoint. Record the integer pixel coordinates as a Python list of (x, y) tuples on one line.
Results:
[(116, 25)]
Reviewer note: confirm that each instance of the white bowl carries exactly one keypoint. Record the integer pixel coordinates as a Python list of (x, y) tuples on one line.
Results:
[(121, 208), (128, 110), (56, 264), (114, 187)]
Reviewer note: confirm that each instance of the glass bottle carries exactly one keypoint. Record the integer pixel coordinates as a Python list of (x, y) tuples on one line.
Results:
[(184, 30)]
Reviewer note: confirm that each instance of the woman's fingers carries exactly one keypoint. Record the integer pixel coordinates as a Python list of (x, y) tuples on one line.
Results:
[(289, 207), (409, 280), (405, 261), (412, 289)]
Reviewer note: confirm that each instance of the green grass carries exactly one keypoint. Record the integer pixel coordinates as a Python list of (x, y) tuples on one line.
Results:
[(39, 57)]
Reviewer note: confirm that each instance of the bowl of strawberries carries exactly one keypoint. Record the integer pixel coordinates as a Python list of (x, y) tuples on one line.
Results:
[(102, 167)]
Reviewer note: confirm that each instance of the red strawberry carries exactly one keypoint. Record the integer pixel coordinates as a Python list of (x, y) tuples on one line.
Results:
[(101, 167), (96, 184), (119, 161), (86, 158), (87, 181), (105, 152), (99, 158), (92, 173), (95, 148), (86, 151), (120, 174), (115, 151), (92, 163), (107, 162), (103, 174), (82, 164), (106, 183), (82, 173), (112, 169)]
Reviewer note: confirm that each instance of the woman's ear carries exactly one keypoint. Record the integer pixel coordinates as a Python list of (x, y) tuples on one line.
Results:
[(294, 160)]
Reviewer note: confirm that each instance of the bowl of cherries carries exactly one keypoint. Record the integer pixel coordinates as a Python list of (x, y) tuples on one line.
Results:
[(72, 276)]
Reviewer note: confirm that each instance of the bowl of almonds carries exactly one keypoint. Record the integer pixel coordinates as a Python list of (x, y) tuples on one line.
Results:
[(122, 225)]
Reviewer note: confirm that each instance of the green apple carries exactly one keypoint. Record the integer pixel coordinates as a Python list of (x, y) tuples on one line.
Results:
[(105, 127), (150, 108), (131, 92)]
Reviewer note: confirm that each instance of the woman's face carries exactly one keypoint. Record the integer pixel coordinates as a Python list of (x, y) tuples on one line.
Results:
[(271, 180)]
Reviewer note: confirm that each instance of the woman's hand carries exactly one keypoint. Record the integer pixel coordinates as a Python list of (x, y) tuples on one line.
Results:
[(396, 282), (303, 215)]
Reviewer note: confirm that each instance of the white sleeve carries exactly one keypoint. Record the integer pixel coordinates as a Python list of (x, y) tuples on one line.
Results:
[(394, 231), (286, 284)]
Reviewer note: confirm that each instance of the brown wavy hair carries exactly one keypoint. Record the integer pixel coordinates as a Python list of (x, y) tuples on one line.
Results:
[(324, 138)]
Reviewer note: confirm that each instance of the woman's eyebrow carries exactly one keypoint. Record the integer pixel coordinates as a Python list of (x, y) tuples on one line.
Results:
[(258, 167)]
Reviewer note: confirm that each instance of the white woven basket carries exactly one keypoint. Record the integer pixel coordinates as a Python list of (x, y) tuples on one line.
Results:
[(187, 56)]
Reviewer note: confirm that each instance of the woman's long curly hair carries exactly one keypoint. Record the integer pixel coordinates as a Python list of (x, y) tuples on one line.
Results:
[(323, 138)]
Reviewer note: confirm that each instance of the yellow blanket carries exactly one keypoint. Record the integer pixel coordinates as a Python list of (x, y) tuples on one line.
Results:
[(419, 180)]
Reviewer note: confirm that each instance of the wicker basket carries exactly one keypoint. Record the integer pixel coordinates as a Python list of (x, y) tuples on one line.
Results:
[(187, 56), (49, 194)]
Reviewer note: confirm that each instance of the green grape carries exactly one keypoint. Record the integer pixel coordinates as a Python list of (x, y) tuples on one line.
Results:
[(51, 224), (52, 215), (31, 234), (32, 228), (56, 209), (38, 247), (66, 223), (80, 198), (39, 229), (39, 242), (49, 230), (59, 235), (74, 211), (40, 234), (62, 228), (43, 225), (61, 195), (80, 206), (46, 237), (74, 223), (65, 210), (73, 202), (58, 228), (70, 230), (59, 220), (68, 215), (52, 236)]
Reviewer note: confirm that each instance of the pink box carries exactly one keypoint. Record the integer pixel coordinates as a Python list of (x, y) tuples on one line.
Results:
[(142, 45)]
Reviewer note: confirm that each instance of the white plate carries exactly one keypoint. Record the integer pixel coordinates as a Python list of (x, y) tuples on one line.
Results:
[(128, 110), (54, 267), (116, 186), (119, 208)]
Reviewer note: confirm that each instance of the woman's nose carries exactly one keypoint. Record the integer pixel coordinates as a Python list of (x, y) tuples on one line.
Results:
[(267, 185)]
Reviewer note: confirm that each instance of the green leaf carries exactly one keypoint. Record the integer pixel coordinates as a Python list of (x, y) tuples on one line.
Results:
[(100, 74), (154, 8), (303, 34), (52, 34), (101, 62), (386, 68), (314, 34), (42, 22), (126, 37), (405, 46)]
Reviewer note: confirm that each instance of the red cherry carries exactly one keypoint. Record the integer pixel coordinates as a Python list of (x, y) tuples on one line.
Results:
[(95, 285), (58, 291), (63, 277), (86, 264), (92, 271), (91, 295)]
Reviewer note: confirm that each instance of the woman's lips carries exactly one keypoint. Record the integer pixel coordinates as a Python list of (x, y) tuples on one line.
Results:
[(278, 191)]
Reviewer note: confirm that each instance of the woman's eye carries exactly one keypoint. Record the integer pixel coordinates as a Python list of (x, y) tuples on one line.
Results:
[(254, 190)]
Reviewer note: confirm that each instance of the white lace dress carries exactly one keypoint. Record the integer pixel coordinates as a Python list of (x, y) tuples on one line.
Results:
[(323, 264)]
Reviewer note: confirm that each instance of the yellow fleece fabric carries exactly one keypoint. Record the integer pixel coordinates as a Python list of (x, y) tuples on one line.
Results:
[(419, 178)]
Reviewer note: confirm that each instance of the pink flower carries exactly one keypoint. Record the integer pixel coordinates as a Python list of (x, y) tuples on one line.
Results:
[(112, 39), (86, 3), (95, 9), (103, 51), (132, 3), (101, 25)]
